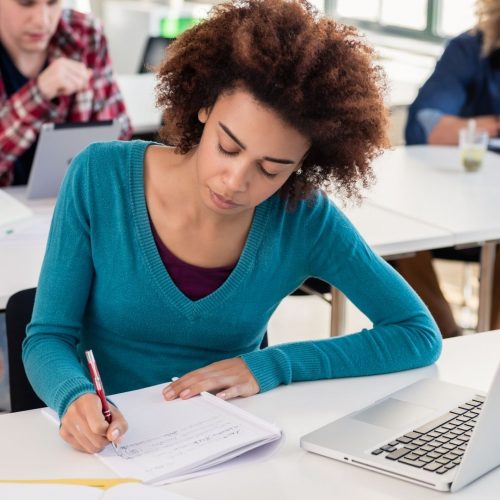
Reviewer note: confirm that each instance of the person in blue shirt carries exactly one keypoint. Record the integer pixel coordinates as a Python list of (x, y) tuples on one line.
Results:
[(168, 260), (465, 84)]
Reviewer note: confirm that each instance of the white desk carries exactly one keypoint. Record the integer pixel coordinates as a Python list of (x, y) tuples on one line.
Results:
[(22, 251), (390, 233), (32, 448), (139, 94), (427, 183)]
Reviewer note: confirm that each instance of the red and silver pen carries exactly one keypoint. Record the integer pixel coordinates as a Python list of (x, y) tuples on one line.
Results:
[(99, 389)]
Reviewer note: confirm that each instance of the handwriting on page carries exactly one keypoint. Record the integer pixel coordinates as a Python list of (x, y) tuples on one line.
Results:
[(168, 440), (172, 445)]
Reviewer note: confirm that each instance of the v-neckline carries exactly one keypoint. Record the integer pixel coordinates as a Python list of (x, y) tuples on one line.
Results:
[(161, 278)]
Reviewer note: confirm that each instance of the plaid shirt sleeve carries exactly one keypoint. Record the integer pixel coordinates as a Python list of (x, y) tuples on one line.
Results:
[(103, 100), (21, 117)]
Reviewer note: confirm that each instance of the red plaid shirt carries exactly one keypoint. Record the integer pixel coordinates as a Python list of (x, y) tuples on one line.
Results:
[(79, 37)]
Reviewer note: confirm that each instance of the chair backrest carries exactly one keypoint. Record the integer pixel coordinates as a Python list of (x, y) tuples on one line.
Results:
[(154, 52), (17, 316)]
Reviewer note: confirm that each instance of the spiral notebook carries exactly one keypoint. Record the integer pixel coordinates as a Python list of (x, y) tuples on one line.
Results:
[(170, 441)]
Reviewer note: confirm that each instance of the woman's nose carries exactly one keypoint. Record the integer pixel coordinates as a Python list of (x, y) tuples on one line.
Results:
[(237, 177)]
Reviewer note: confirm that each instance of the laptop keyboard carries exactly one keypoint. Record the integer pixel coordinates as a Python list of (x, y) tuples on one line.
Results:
[(438, 445)]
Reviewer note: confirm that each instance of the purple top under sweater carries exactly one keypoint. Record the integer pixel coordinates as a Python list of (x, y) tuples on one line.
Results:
[(193, 281)]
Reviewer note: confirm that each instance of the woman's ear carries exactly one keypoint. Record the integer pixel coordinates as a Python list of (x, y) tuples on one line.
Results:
[(203, 115)]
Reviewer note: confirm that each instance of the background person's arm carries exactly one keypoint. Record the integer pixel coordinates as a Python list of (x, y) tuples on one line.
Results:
[(447, 89), (445, 132), (63, 77), (21, 118), (107, 100)]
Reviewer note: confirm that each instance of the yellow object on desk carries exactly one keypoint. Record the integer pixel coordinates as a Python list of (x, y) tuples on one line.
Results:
[(98, 482)]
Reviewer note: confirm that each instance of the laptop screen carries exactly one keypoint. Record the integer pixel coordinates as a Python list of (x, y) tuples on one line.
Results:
[(57, 145)]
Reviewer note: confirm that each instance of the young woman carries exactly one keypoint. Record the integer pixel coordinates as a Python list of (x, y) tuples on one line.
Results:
[(169, 260)]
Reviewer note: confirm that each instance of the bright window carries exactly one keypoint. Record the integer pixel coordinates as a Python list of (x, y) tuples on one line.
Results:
[(455, 16), (424, 19), (405, 14), (359, 9)]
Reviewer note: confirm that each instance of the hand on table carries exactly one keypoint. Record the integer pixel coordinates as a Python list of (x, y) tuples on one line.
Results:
[(83, 425), (63, 77), (227, 379)]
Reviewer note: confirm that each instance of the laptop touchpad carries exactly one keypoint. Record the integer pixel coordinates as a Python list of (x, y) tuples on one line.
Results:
[(394, 414)]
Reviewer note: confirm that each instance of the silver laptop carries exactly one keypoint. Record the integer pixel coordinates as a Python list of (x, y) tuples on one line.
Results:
[(57, 145), (430, 433)]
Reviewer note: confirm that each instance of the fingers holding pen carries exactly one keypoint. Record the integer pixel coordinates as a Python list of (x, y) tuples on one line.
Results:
[(118, 426), (84, 427)]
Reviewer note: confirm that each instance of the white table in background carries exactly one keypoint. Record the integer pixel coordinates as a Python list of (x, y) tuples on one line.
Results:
[(389, 233), (427, 183), (31, 447), (22, 247), (139, 94)]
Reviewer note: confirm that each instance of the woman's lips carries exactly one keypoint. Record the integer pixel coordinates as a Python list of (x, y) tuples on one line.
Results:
[(222, 202)]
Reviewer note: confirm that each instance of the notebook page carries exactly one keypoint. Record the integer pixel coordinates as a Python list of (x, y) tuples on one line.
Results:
[(257, 454), (168, 439), (11, 210)]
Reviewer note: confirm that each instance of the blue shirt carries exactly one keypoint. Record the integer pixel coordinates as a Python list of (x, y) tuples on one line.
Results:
[(464, 83), (104, 286)]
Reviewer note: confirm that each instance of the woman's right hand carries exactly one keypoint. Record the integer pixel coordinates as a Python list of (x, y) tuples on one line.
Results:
[(83, 425)]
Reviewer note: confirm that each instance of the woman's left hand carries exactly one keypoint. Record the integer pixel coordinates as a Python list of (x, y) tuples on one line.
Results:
[(227, 379)]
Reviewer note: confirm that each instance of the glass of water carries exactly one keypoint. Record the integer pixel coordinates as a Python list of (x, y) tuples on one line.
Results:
[(473, 143)]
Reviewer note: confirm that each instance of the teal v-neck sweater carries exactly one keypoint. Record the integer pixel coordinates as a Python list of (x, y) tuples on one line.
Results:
[(103, 286)]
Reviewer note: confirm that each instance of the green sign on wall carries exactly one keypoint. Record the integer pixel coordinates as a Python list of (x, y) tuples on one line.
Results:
[(173, 27)]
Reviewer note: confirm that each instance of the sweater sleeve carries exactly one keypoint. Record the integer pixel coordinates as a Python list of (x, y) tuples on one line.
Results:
[(49, 351), (403, 336)]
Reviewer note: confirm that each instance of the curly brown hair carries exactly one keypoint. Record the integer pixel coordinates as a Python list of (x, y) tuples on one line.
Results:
[(312, 71)]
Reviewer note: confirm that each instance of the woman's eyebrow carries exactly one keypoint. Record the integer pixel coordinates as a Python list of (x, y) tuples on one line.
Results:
[(230, 134), (242, 146)]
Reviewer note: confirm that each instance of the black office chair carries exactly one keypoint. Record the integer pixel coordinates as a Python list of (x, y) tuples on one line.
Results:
[(153, 53), (17, 316)]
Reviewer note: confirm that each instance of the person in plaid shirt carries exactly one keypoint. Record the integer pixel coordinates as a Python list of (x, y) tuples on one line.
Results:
[(54, 67)]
